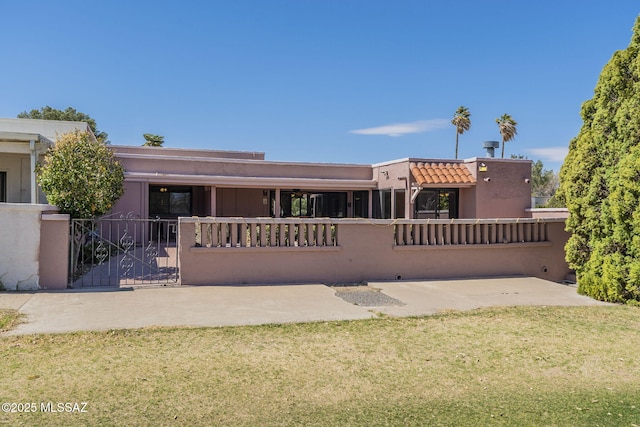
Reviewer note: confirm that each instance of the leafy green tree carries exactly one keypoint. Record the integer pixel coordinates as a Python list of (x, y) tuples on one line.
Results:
[(507, 127), (556, 201), (153, 140), (70, 114), (599, 183), (81, 176), (462, 121), (544, 182)]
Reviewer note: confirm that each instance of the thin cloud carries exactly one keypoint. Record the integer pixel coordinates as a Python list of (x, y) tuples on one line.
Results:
[(399, 129), (552, 154)]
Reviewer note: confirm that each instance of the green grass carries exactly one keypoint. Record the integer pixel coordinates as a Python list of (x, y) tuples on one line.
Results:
[(8, 319), (521, 366)]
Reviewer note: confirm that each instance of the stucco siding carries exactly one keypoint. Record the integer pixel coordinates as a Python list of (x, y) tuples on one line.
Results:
[(20, 249), (366, 251), (502, 190), (242, 202)]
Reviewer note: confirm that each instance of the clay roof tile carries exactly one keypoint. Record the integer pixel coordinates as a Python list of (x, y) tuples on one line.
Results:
[(440, 173)]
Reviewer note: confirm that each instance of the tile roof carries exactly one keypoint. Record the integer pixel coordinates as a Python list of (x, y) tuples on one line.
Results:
[(441, 173)]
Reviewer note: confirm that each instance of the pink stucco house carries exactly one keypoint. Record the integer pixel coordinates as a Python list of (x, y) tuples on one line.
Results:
[(222, 211), (171, 182)]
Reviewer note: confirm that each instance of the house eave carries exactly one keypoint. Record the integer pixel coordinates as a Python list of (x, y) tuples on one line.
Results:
[(21, 137), (252, 181), (191, 158)]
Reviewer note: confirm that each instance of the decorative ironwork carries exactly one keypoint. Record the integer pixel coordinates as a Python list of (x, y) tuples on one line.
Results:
[(101, 252), (126, 263), (111, 251), (126, 241), (128, 216), (151, 251)]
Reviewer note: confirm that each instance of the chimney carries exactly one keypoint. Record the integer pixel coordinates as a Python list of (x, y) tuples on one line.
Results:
[(490, 146)]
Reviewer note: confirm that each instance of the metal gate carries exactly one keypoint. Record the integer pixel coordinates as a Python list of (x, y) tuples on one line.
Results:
[(123, 251)]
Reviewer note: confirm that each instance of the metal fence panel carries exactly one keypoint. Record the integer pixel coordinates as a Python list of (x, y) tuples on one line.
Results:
[(123, 251)]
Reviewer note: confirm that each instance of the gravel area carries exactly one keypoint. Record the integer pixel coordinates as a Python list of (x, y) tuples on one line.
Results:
[(365, 296)]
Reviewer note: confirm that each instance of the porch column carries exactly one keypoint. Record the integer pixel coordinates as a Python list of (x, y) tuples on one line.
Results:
[(370, 215), (277, 206), (393, 204), (214, 200), (34, 188)]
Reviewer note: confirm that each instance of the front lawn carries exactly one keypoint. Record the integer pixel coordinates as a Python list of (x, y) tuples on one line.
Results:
[(511, 366)]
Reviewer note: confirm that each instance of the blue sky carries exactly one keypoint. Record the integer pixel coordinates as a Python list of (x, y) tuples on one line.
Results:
[(325, 81)]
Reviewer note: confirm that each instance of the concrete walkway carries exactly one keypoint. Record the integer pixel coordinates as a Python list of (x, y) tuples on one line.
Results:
[(82, 310)]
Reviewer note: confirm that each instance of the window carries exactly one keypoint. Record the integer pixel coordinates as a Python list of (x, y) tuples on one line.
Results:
[(382, 204), (169, 201), (3, 186), (298, 203), (438, 204), (294, 204), (329, 204), (399, 204), (361, 204)]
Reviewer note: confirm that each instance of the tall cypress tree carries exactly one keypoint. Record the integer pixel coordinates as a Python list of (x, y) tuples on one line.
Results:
[(597, 183)]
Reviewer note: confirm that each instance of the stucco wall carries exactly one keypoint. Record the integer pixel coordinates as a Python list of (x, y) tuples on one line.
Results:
[(395, 176), (135, 199), (548, 213), (366, 251), (123, 150), (467, 203), (247, 202), (20, 237), (54, 249), (502, 190), (241, 168)]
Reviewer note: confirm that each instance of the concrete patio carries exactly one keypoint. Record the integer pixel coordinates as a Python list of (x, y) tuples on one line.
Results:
[(197, 306)]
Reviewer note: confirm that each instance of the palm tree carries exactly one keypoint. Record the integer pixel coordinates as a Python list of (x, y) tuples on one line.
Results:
[(153, 140), (462, 123), (507, 127)]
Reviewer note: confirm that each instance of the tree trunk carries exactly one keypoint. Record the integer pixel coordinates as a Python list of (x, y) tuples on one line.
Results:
[(457, 134)]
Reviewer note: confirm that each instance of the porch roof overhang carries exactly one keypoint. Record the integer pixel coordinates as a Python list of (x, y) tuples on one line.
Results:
[(19, 137), (252, 181), (19, 142)]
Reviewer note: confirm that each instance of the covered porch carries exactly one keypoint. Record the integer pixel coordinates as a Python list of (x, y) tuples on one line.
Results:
[(23, 143), (20, 154), (286, 198)]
